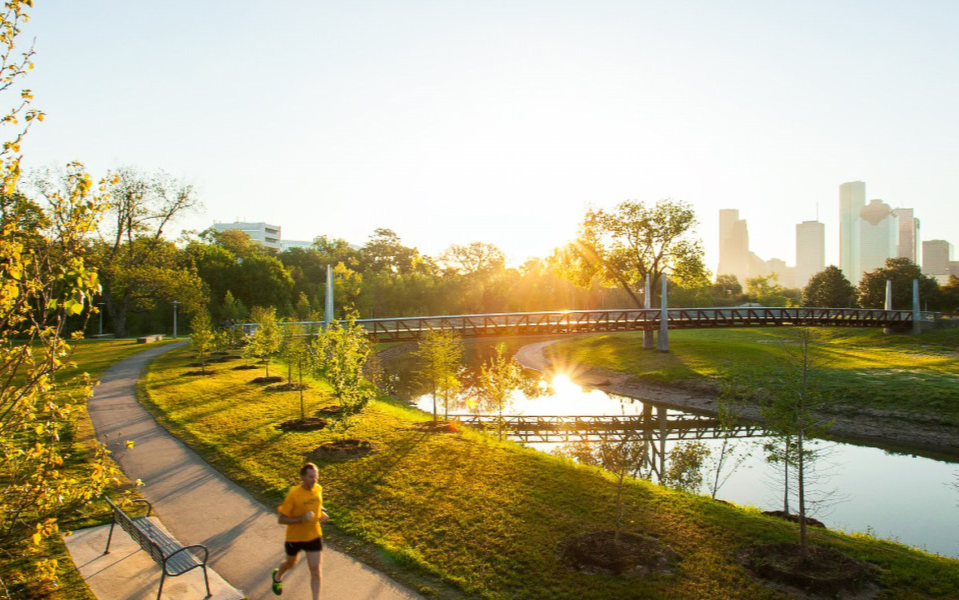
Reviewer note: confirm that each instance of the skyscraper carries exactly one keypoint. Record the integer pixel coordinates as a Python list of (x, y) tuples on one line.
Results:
[(810, 250), (852, 199), (936, 255), (733, 245), (878, 237), (908, 234)]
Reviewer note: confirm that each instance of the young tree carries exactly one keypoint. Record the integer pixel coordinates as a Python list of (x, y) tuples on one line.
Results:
[(498, 380), (296, 351), (265, 341), (439, 354), (685, 466), (341, 353), (829, 288), (202, 336), (635, 243)]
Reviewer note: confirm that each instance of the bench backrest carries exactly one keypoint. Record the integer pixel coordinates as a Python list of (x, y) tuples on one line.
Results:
[(138, 535)]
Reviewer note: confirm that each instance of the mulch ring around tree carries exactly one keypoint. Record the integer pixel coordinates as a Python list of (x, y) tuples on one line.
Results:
[(598, 553), (329, 411), (341, 450), (270, 379), (246, 367), (826, 572), (794, 518), (227, 358), (307, 424), (286, 387), (438, 427), (199, 373)]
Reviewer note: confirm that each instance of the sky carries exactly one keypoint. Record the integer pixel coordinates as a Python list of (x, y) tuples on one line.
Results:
[(504, 121)]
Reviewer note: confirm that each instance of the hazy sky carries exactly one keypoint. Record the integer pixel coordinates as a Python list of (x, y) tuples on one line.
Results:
[(452, 121)]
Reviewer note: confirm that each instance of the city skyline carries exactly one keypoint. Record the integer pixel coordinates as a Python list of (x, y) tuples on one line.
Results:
[(449, 123)]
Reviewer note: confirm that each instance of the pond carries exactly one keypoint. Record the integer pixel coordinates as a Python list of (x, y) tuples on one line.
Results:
[(902, 497)]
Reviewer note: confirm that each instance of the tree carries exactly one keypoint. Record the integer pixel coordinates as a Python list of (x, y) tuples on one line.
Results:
[(475, 258), (138, 268), (766, 290), (726, 290), (950, 295), (342, 351), (498, 380), (829, 288), (266, 339), (872, 286), (262, 280), (385, 253), (791, 397), (202, 337), (635, 243), (298, 356), (439, 353)]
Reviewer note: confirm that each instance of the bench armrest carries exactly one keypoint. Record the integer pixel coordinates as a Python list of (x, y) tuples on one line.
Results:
[(149, 506), (206, 553)]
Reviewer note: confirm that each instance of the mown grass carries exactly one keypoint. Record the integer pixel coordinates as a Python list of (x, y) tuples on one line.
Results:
[(916, 375), (17, 567), (462, 515)]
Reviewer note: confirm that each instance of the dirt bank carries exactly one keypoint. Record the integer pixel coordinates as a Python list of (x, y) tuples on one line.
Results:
[(887, 429)]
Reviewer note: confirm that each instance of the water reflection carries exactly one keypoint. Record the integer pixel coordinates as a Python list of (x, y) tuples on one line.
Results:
[(900, 497)]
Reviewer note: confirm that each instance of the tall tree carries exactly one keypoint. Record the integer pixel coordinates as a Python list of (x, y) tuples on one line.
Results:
[(829, 288), (635, 243), (872, 286), (473, 259), (766, 290)]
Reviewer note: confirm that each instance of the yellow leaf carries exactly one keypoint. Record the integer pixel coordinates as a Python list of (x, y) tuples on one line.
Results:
[(36, 539)]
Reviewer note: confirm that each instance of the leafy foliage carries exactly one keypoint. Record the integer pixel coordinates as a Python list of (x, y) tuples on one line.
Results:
[(829, 288), (901, 271), (202, 337), (439, 354), (341, 353), (266, 339)]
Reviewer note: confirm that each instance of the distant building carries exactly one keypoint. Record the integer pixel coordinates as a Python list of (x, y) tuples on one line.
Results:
[(878, 237), (734, 252), (268, 235), (908, 234), (852, 199), (786, 274), (936, 258), (287, 244), (810, 250)]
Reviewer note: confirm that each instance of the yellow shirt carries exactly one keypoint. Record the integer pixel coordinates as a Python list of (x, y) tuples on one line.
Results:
[(298, 501)]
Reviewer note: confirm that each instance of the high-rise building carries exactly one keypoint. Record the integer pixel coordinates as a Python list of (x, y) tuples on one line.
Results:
[(810, 250), (936, 255), (268, 235), (878, 237), (852, 199), (908, 234), (733, 245)]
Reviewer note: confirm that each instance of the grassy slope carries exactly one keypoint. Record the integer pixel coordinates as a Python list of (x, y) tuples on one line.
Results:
[(918, 375), (93, 358), (485, 516)]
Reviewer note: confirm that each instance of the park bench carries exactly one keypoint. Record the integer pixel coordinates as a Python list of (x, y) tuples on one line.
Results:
[(149, 338), (172, 557)]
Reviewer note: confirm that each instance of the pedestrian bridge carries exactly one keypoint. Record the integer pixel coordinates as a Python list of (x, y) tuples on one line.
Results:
[(591, 321)]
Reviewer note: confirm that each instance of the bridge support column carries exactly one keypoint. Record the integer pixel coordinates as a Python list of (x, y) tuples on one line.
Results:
[(888, 305), (916, 317), (663, 341), (648, 336), (328, 308)]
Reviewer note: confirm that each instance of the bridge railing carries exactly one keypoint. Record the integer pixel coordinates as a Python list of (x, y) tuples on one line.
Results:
[(583, 321)]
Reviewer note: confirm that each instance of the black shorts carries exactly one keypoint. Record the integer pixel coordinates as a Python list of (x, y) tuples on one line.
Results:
[(293, 548)]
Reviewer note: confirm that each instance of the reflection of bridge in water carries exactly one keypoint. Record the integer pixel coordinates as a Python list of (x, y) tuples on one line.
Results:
[(651, 429)]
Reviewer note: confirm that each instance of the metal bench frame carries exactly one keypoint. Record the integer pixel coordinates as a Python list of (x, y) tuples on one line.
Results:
[(154, 542)]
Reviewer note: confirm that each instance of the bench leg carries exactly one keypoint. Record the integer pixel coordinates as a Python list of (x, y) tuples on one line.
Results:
[(207, 580), (110, 537), (162, 577)]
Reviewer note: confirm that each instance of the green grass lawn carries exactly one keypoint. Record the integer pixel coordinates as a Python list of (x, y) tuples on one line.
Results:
[(461, 515), (864, 368), (16, 569)]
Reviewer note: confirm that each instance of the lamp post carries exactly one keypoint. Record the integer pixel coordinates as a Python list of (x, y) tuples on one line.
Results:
[(174, 318), (101, 305)]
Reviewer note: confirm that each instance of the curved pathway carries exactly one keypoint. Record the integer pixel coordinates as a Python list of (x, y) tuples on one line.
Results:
[(201, 506)]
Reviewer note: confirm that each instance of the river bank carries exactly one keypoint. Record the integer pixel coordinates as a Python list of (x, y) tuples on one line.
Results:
[(890, 429)]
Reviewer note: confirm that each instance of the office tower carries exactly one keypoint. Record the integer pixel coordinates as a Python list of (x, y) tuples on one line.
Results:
[(878, 236), (733, 245), (268, 235), (852, 199), (908, 234), (785, 275), (936, 255), (810, 250)]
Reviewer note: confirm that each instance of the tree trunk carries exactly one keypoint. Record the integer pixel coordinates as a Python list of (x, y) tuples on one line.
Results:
[(803, 549)]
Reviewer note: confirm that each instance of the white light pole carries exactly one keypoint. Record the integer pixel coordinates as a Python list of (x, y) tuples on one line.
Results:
[(174, 318)]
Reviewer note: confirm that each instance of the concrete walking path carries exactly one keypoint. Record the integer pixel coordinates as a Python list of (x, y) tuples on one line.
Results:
[(200, 506)]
